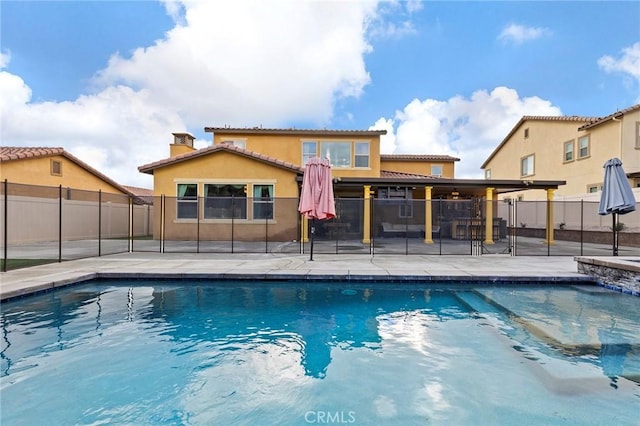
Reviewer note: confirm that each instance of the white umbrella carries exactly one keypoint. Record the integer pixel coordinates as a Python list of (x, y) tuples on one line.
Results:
[(617, 197)]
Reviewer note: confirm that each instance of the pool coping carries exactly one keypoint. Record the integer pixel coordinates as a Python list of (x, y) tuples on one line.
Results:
[(268, 267)]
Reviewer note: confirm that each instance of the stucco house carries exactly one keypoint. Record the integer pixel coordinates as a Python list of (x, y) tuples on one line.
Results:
[(570, 148), (54, 167), (251, 178)]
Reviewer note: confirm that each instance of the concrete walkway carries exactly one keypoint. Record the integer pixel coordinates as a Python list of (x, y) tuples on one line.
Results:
[(502, 268)]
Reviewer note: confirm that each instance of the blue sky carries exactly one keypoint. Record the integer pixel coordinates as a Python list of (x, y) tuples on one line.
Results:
[(111, 80)]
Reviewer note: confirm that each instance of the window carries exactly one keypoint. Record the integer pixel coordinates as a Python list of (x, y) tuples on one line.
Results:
[(594, 188), (405, 211), (487, 174), (225, 201), (526, 133), (338, 153), (637, 134), (309, 150), (526, 166), (56, 168), (240, 143), (568, 151), (187, 201), (263, 201), (436, 170), (583, 147), (361, 158)]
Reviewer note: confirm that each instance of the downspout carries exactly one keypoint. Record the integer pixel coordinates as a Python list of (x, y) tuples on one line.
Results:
[(620, 136)]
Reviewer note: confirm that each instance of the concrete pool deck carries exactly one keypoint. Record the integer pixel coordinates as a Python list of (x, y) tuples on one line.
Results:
[(297, 266)]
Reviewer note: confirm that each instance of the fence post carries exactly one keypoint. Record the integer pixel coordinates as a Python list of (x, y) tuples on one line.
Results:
[(162, 220), (4, 225), (60, 223), (100, 222), (130, 223)]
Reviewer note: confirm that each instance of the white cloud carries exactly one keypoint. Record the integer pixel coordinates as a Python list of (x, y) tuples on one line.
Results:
[(238, 63), (467, 128), (519, 33), (627, 64), (5, 58)]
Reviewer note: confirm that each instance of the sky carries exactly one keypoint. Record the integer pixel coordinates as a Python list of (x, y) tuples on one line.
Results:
[(109, 81)]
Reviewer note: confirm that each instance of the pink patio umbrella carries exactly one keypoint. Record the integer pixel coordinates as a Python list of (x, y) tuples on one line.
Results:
[(316, 197)]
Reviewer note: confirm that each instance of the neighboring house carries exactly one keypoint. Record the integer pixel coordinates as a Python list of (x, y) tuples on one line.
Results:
[(573, 149), (252, 176), (53, 167)]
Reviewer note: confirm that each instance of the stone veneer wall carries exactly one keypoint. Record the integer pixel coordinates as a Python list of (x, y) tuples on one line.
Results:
[(616, 276)]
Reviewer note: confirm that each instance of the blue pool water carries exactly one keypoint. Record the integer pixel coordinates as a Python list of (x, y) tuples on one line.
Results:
[(199, 353)]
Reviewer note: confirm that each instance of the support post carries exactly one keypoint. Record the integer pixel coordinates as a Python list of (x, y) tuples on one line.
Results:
[(549, 231), (366, 220), (488, 214), (304, 230), (428, 216)]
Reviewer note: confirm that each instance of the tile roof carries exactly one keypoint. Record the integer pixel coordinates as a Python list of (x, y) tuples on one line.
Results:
[(610, 117), (13, 153), (149, 168), (9, 153), (402, 175), (418, 157), (292, 131)]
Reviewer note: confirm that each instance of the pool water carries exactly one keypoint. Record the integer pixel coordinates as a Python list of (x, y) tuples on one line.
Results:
[(202, 353)]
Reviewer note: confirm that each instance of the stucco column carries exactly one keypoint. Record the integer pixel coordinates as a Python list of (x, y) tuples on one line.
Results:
[(427, 215), (549, 232), (488, 214), (304, 230), (366, 220)]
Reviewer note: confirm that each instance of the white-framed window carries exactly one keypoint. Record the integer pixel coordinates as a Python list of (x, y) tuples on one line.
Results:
[(583, 146), (240, 143), (187, 201), (361, 157), (309, 150), (591, 189), (568, 151), (487, 174), (338, 153), (262, 201), (225, 201), (527, 165), (436, 170), (638, 134)]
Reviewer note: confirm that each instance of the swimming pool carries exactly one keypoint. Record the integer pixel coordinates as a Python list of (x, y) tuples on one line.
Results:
[(197, 352)]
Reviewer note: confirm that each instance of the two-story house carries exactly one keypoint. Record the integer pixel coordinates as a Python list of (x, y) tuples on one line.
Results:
[(570, 148), (252, 177)]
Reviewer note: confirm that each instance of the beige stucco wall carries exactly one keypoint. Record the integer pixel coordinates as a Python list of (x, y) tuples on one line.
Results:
[(37, 171), (418, 167), (546, 140), (289, 148)]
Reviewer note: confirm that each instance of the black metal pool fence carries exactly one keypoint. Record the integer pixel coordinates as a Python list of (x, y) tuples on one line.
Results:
[(58, 223)]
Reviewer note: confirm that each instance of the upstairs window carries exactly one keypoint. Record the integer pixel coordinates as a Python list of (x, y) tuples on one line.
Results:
[(240, 143), (568, 151), (436, 170), (527, 166), (638, 134), (309, 150), (583, 147), (487, 174), (361, 157), (187, 201), (526, 133), (338, 153)]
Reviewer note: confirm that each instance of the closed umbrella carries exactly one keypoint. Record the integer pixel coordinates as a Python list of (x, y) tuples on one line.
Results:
[(617, 197), (316, 197)]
